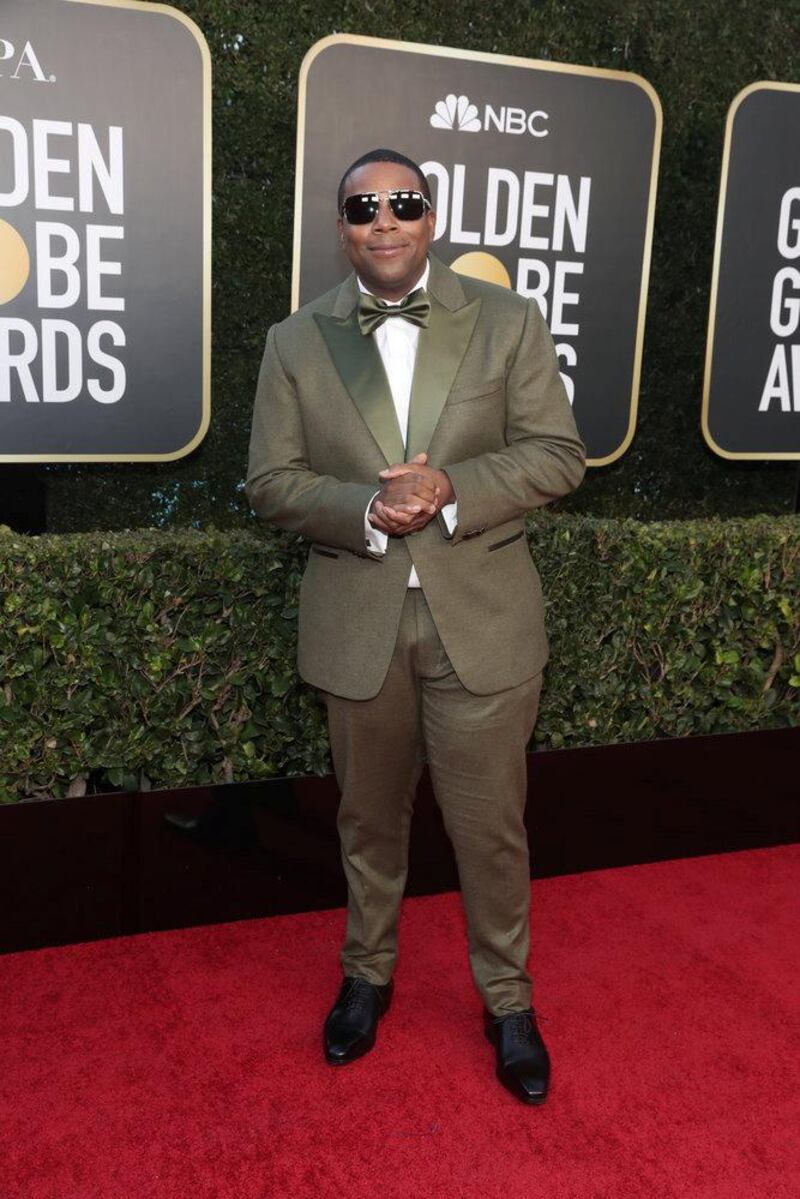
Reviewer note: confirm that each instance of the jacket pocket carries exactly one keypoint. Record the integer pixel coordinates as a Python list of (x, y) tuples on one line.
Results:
[(498, 545), (480, 390), (317, 549)]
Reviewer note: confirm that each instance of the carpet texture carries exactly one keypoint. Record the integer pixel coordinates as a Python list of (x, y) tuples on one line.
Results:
[(188, 1065)]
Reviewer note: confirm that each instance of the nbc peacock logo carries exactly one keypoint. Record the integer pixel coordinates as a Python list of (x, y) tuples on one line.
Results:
[(456, 112), (461, 115)]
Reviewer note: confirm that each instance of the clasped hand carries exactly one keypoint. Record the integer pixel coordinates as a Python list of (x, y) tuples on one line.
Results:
[(411, 494)]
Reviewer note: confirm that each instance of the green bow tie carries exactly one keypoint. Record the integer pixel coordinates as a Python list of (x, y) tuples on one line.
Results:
[(372, 312)]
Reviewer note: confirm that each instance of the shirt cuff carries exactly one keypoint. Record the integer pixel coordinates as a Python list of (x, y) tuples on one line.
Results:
[(449, 515), (376, 541)]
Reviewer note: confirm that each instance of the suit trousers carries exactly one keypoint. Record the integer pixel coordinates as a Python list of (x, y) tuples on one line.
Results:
[(475, 747)]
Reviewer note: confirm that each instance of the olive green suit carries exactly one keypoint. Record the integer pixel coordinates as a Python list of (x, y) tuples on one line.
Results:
[(452, 672)]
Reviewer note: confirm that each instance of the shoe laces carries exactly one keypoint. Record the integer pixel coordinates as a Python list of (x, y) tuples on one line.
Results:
[(520, 1027), (357, 995)]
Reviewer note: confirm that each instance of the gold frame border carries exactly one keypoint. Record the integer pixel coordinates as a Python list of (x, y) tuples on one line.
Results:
[(760, 85), (205, 56), (514, 61)]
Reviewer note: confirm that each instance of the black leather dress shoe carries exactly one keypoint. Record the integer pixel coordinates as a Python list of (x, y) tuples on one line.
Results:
[(353, 1020), (523, 1063)]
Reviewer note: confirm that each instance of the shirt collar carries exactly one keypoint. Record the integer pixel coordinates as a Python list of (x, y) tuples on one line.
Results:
[(423, 282)]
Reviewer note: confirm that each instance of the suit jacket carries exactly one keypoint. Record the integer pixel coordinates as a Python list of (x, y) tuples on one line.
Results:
[(487, 405)]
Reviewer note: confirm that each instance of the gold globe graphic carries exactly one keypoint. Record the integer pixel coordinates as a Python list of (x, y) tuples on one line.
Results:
[(15, 263), (480, 265)]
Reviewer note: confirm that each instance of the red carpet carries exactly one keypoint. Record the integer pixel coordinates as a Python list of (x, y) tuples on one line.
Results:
[(187, 1065)]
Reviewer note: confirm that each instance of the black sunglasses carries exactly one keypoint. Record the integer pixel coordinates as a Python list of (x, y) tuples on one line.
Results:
[(406, 206)]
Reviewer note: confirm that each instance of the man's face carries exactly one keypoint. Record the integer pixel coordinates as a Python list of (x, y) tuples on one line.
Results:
[(388, 254)]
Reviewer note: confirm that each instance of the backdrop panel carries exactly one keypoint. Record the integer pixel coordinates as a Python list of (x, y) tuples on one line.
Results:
[(751, 396), (105, 180), (543, 177)]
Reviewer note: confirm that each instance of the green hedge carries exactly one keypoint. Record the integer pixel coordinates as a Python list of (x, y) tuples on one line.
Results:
[(167, 659)]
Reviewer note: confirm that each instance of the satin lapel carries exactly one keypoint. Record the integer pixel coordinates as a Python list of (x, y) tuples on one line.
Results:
[(360, 368), (440, 350)]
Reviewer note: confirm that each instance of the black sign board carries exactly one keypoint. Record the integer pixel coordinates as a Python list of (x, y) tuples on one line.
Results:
[(543, 177), (105, 208), (751, 397)]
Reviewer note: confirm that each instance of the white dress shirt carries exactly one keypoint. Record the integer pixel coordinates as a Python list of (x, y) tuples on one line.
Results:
[(397, 340)]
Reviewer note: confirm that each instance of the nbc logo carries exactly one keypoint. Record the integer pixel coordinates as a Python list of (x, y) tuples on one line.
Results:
[(458, 113)]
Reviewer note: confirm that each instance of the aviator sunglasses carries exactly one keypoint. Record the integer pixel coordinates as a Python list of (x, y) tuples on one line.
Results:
[(406, 206)]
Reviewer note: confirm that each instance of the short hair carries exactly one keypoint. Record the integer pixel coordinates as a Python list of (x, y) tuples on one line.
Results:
[(383, 156)]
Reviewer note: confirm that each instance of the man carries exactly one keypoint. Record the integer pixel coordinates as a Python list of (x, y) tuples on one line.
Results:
[(404, 423)]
